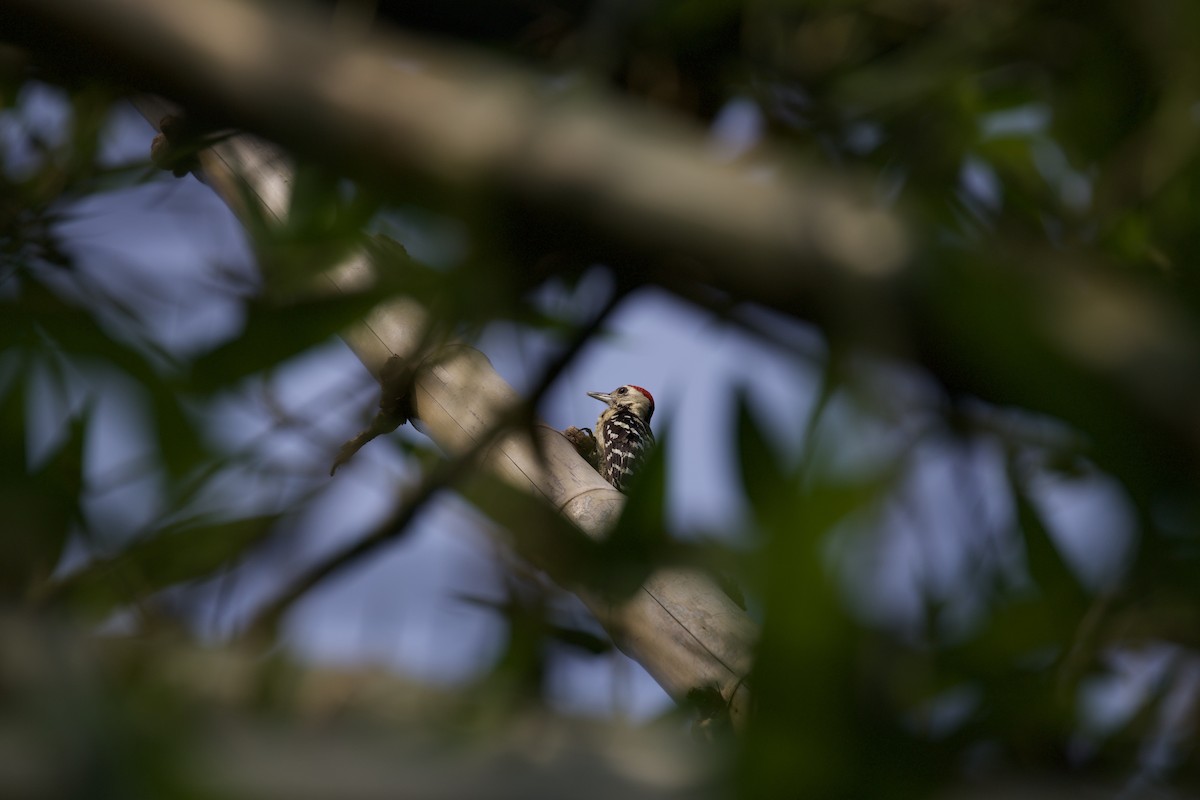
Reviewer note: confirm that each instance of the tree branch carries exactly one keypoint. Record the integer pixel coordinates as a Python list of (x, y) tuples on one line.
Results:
[(680, 626)]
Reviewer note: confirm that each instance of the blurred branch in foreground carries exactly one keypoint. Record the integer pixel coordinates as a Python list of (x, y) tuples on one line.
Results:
[(398, 109), (178, 720)]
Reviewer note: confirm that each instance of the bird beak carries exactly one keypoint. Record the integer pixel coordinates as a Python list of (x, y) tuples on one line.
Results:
[(601, 396)]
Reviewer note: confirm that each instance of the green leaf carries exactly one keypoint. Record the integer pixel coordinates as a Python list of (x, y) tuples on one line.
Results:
[(38, 508), (570, 636), (74, 334), (579, 639), (1063, 600), (767, 486), (274, 333), (179, 552), (320, 208), (180, 445), (323, 225), (12, 426), (77, 334), (60, 482), (540, 534)]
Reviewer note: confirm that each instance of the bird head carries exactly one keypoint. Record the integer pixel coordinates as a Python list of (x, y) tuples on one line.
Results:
[(635, 398)]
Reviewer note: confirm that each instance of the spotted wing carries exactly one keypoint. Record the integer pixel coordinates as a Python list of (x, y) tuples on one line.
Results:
[(626, 441)]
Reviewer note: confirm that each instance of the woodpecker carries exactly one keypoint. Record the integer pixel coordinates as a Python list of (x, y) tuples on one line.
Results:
[(623, 434)]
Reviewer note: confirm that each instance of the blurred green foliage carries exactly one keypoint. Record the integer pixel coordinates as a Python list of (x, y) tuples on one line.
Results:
[(1026, 142)]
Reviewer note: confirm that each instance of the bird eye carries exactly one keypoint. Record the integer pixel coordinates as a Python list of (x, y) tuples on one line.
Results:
[(622, 390)]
